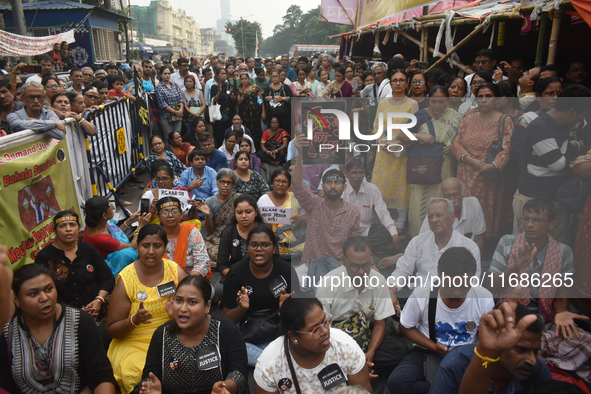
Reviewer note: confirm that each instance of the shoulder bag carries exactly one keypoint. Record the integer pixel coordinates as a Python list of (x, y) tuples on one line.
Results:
[(260, 326), (424, 161), (495, 148)]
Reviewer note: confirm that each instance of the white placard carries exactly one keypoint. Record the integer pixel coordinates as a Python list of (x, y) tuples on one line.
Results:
[(182, 195), (276, 215)]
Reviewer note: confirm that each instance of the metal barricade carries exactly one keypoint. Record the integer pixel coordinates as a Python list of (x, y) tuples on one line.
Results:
[(116, 151)]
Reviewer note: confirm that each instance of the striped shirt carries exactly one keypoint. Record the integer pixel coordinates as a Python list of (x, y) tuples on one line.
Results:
[(544, 166), (500, 259)]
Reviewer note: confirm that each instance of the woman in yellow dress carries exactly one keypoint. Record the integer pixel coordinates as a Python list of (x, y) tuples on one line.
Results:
[(138, 305), (389, 171)]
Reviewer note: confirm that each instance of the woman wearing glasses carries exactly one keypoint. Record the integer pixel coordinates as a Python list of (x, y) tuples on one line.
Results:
[(158, 152), (254, 289), (418, 88), (185, 243), (471, 105), (280, 196), (321, 359), (219, 210)]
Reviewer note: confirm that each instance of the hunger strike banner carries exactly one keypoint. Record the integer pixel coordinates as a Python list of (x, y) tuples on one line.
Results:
[(17, 45), (372, 11), (37, 183)]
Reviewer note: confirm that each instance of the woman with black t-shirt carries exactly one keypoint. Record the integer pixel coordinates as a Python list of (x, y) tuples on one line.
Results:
[(255, 287)]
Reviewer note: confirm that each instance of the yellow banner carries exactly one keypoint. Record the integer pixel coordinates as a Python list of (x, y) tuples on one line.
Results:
[(372, 11), (37, 183)]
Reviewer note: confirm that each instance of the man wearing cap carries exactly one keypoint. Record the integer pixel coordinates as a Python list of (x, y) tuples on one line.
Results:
[(331, 220)]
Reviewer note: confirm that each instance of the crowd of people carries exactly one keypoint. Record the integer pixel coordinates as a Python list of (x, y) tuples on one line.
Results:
[(484, 188)]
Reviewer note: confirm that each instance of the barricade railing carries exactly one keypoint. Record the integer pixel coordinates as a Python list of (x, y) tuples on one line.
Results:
[(116, 151)]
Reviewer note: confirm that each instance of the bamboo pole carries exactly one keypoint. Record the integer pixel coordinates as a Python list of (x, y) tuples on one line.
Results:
[(542, 35), (431, 49), (422, 45), (460, 44), (552, 46)]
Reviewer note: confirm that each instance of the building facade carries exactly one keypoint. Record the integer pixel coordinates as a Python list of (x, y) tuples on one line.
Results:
[(159, 21)]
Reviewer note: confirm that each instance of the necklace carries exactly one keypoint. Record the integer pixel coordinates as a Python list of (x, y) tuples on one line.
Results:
[(35, 350)]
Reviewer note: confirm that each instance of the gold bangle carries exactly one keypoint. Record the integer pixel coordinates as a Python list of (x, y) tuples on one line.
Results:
[(485, 360), (131, 321)]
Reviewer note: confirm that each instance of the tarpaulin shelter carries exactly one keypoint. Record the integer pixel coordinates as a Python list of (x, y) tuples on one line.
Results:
[(453, 31)]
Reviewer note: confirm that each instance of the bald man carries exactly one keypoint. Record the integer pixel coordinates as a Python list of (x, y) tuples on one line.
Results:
[(469, 216)]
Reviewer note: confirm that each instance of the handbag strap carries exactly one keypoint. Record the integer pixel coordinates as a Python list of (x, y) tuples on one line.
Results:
[(501, 128), (290, 363), (431, 313), (430, 126)]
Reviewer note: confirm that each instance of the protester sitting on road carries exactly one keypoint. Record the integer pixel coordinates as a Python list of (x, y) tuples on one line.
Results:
[(110, 240), (33, 116), (268, 280), (191, 331), (457, 311), (53, 347), (322, 356), (81, 276), (218, 210), (215, 158), (232, 246), (249, 182), (185, 242), (255, 162), (199, 179), (505, 358), (139, 305), (158, 152), (180, 149)]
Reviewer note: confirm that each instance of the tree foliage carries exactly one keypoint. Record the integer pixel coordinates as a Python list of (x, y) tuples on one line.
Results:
[(300, 28), (250, 31)]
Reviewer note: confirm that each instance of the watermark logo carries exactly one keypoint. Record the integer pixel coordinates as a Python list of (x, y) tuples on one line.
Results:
[(344, 124)]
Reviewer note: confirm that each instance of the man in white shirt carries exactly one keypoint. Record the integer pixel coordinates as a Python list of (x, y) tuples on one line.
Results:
[(424, 250), (469, 219), (438, 319), (178, 77), (381, 88), (486, 60), (368, 198), (353, 299), (250, 63)]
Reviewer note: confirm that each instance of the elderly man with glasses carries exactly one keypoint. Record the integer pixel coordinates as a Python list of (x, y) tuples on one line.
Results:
[(33, 116)]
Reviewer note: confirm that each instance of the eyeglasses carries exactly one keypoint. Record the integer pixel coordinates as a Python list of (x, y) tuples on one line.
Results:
[(163, 179), (33, 98), (262, 245), (417, 82), (92, 96), (397, 81), (316, 332), (226, 183), (281, 181), (357, 267), (172, 212), (52, 86), (533, 220), (158, 143), (478, 83)]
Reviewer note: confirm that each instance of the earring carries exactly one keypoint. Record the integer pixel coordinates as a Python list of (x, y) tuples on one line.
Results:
[(295, 341)]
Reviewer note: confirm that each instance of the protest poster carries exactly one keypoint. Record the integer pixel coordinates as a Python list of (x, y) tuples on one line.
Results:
[(37, 183), (276, 215), (182, 195), (325, 132)]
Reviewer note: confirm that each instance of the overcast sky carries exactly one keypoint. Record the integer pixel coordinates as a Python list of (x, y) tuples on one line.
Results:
[(268, 13)]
